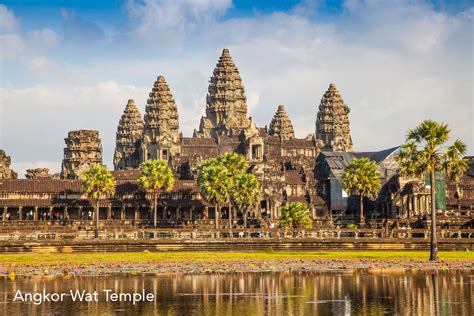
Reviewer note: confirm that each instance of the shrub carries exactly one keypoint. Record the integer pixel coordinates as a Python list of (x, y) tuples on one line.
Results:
[(295, 214)]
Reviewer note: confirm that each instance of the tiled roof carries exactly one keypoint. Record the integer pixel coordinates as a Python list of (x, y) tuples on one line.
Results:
[(293, 177), (299, 143), (40, 185)]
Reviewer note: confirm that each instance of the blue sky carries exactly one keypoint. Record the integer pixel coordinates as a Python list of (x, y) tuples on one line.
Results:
[(74, 64)]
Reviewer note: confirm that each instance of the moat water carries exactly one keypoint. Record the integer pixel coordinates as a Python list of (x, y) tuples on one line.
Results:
[(296, 293)]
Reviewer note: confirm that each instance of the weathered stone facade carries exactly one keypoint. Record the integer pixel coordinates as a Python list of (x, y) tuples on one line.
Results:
[(161, 134), (83, 149), (5, 162), (129, 134), (332, 123), (40, 173), (281, 125), (286, 166)]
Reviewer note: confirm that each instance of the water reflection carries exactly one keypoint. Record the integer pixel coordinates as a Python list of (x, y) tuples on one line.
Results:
[(401, 293)]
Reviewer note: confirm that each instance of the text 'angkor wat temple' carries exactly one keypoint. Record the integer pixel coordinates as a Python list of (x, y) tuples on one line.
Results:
[(289, 169)]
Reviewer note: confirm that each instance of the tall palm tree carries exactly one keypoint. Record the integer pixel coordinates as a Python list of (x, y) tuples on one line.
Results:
[(361, 177), (425, 153), (98, 182), (226, 180), (246, 193), (212, 180), (236, 166), (155, 176)]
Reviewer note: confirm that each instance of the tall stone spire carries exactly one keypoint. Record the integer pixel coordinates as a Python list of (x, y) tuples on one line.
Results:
[(161, 133), (129, 133), (226, 108), (5, 162), (281, 125), (332, 123)]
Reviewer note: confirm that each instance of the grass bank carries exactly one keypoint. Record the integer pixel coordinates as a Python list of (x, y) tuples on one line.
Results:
[(32, 259)]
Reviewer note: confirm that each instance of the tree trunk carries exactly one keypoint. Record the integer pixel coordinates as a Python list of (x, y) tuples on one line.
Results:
[(216, 215), (245, 217), (230, 220), (361, 211), (155, 208), (434, 243), (97, 219)]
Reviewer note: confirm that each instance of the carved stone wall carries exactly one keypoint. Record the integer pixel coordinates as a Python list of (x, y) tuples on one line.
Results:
[(332, 123), (38, 173), (281, 125), (5, 162), (129, 134), (83, 149)]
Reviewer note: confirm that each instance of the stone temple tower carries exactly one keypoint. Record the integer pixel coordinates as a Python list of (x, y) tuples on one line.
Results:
[(161, 138), (281, 125), (129, 134), (226, 105), (332, 122), (83, 149)]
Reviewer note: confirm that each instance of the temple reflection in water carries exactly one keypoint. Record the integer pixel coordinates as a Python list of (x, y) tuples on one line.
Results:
[(394, 293)]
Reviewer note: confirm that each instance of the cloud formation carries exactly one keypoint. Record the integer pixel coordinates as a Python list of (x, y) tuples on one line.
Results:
[(394, 62)]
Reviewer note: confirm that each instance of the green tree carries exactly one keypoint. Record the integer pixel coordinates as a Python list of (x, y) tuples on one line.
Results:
[(98, 182), (362, 178), (212, 181), (155, 176), (295, 214), (226, 180), (246, 193), (425, 153)]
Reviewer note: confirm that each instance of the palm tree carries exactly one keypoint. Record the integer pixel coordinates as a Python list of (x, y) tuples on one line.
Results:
[(98, 182), (212, 180), (226, 180), (155, 175), (424, 153), (246, 193), (361, 177), (236, 166)]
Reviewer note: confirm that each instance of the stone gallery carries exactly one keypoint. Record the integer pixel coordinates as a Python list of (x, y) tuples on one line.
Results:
[(289, 169)]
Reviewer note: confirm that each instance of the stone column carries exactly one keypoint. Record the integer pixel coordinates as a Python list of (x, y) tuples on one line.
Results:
[(109, 212), (79, 213), (137, 213), (20, 213), (50, 212), (206, 212), (178, 208), (191, 211), (66, 212), (122, 213), (415, 204), (165, 211), (35, 213), (5, 211)]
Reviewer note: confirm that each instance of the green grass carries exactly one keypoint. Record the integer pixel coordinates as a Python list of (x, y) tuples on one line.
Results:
[(32, 259)]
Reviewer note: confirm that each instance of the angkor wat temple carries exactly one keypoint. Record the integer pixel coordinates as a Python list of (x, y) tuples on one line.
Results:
[(289, 169)]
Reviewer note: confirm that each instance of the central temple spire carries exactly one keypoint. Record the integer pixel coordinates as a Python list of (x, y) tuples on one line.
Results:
[(226, 104), (332, 123)]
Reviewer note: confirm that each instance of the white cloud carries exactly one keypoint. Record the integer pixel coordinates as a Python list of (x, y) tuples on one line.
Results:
[(8, 20), (166, 23), (394, 64), (15, 46)]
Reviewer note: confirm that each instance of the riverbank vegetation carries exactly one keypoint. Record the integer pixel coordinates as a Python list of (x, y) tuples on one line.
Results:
[(32, 259)]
